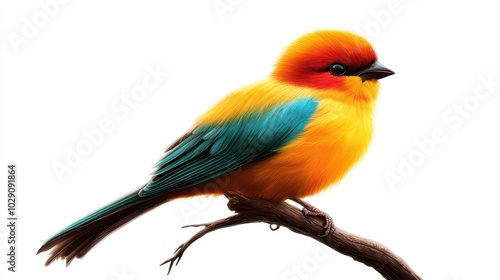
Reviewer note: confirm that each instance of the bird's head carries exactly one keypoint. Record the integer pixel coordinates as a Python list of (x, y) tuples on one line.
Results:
[(336, 61)]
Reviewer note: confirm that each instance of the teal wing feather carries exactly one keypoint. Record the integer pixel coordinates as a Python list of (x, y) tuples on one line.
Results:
[(212, 150)]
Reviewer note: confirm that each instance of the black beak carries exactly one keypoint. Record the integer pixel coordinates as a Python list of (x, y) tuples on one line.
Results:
[(375, 71)]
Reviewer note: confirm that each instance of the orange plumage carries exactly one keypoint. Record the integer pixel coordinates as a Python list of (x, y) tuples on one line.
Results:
[(339, 131), (286, 137)]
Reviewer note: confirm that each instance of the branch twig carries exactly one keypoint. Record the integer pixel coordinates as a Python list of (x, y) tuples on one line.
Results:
[(251, 210)]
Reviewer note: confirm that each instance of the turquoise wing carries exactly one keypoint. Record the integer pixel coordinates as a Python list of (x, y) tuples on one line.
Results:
[(212, 150)]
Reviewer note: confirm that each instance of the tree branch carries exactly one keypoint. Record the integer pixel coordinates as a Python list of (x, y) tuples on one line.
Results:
[(251, 210)]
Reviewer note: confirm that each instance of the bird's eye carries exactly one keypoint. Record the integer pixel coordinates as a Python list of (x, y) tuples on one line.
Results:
[(337, 69)]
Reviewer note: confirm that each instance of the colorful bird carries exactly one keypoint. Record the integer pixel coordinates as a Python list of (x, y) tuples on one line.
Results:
[(286, 137)]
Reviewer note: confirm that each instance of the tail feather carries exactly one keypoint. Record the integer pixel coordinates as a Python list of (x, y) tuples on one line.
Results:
[(76, 240)]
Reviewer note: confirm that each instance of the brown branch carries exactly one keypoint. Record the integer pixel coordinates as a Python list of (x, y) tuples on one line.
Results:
[(250, 210)]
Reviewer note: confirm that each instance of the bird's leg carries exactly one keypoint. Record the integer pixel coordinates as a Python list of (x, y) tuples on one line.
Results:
[(310, 210)]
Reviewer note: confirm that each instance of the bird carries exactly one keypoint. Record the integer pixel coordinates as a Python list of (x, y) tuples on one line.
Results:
[(291, 135)]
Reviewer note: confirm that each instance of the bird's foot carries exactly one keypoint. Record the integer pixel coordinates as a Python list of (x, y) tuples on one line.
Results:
[(310, 210)]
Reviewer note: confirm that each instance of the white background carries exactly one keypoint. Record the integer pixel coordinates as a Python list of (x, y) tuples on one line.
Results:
[(443, 219)]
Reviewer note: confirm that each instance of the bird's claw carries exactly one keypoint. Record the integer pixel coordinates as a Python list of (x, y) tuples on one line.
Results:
[(310, 210), (328, 227)]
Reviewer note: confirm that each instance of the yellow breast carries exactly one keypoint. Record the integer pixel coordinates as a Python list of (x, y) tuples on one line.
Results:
[(333, 141), (331, 144)]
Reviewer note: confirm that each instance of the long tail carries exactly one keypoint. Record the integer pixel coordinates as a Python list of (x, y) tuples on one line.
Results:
[(78, 238)]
